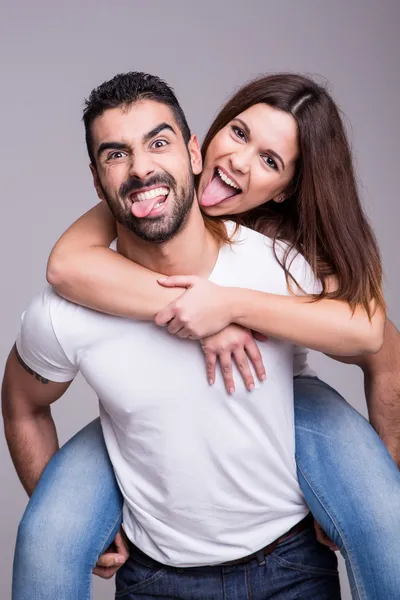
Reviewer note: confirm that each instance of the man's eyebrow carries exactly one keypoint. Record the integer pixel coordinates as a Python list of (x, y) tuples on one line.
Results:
[(111, 146), (148, 136), (269, 150)]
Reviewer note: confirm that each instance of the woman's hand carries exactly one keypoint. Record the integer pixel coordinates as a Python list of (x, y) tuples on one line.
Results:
[(237, 342), (201, 311)]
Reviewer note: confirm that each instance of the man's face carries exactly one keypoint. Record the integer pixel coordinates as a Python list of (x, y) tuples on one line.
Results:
[(144, 170)]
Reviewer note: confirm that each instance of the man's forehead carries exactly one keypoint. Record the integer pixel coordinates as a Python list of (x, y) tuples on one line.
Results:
[(132, 121)]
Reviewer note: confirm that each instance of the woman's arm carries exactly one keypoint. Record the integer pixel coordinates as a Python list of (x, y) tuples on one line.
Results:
[(327, 325), (84, 270)]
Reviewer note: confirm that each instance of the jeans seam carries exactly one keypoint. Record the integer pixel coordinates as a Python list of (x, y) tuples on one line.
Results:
[(298, 567), (248, 585), (359, 590), (105, 538), (138, 587)]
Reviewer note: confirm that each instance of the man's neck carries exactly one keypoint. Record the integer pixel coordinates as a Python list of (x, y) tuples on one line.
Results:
[(192, 251)]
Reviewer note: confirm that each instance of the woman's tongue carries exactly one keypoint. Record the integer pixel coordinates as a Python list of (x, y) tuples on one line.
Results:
[(216, 192), (142, 208)]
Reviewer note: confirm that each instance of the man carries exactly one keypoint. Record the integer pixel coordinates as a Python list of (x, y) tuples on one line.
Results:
[(209, 483)]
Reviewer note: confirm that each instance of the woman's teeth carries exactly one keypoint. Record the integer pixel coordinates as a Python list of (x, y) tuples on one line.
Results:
[(161, 191), (227, 180)]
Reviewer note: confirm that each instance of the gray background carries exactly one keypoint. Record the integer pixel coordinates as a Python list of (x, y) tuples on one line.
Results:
[(53, 53)]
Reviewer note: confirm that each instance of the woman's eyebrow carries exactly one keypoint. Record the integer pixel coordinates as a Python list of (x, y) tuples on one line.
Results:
[(246, 129)]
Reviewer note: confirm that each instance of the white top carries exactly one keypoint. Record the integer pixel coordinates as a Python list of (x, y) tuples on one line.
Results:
[(206, 477)]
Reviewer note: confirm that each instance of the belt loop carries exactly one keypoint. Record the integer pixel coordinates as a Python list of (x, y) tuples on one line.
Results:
[(260, 556)]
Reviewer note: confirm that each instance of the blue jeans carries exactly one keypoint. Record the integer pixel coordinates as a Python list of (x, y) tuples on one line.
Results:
[(348, 478), (298, 568)]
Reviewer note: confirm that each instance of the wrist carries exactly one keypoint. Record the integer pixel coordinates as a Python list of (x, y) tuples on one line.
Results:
[(235, 305)]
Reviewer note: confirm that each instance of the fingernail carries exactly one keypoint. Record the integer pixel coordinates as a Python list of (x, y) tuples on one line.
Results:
[(119, 560), (251, 387), (211, 381), (263, 377), (231, 390), (162, 279)]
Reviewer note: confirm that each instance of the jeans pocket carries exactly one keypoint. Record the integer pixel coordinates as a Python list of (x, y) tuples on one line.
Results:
[(304, 553), (134, 576)]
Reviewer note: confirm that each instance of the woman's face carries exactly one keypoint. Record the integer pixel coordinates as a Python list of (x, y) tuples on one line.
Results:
[(250, 161)]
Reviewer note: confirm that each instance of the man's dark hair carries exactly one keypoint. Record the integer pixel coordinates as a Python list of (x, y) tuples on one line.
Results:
[(126, 89)]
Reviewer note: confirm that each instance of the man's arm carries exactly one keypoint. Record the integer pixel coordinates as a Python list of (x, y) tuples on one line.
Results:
[(28, 424), (382, 388)]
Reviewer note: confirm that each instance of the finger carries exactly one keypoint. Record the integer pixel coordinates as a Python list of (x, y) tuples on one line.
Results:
[(211, 361), (323, 538), (121, 546), (225, 360), (184, 333), (111, 559), (184, 281), (243, 365), (174, 326), (165, 315), (105, 572), (254, 354)]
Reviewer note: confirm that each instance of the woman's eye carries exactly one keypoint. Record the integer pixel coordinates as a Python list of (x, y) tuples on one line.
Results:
[(239, 132), (159, 144), (270, 162)]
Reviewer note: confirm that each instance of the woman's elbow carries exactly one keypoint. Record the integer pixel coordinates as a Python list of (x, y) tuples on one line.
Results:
[(373, 341), (57, 271)]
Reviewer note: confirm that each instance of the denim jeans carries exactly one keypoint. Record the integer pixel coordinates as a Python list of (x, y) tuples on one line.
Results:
[(298, 568), (349, 480)]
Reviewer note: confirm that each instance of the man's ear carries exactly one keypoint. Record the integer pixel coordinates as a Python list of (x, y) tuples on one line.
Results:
[(96, 181), (195, 155)]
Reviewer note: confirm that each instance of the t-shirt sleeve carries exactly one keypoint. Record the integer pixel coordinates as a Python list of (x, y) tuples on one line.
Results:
[(37, 343)]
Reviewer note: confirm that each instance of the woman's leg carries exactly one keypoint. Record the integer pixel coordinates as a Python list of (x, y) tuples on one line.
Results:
[(73, 515), (351, 485)]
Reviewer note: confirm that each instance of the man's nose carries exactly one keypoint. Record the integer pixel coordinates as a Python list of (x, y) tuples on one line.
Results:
[(142, 166)]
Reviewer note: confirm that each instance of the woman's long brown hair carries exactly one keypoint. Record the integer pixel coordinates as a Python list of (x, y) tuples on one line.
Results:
[(322, 217)]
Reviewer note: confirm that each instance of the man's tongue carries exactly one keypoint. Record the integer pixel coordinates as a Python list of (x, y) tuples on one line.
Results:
[(142, 208), (216, 191)]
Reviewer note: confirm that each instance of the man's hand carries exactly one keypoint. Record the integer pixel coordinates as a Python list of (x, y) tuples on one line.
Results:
[(323, 538), (113, 558)]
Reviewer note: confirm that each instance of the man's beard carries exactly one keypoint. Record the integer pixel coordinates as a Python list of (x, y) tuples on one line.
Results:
[(153, 229)]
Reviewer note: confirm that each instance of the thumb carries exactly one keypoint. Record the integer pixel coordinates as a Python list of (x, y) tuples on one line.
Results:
[(183, 281), (121, 545)]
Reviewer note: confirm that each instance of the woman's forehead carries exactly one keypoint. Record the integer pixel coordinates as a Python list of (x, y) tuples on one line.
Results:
[(272, 128)]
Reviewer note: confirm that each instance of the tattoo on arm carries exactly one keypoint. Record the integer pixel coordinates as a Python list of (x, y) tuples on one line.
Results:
[(31, 371)]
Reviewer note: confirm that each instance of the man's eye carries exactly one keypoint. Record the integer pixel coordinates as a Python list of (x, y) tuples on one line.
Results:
[(116, 155), (159, 144)]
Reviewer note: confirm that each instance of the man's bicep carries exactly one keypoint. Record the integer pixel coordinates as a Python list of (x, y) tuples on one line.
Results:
[(25, 391)]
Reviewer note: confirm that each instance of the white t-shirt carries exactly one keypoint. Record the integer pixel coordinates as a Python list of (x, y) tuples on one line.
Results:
[(206, 477)]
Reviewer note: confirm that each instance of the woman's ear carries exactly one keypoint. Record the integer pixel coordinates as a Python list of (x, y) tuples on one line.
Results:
[(195, 155)]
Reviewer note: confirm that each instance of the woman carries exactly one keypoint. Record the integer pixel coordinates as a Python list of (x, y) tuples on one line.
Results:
[(316, 211)]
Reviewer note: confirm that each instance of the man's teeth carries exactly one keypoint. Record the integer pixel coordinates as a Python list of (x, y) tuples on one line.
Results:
[(161, 191), (159, 204), (226, 179)]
